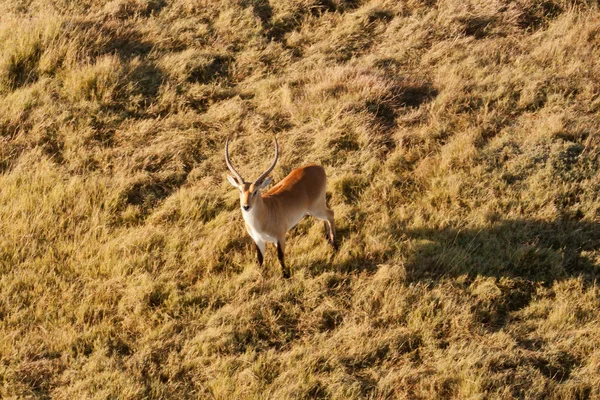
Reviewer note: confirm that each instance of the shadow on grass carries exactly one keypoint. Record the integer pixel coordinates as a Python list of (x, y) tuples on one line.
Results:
[(355, 264), (527, 249), (521, 255)]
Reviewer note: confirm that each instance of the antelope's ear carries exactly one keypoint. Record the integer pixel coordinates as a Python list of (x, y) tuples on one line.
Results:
[(233, 181), (264, 183)]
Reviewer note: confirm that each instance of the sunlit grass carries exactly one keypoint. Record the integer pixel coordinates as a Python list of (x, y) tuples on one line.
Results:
[(460, 142)]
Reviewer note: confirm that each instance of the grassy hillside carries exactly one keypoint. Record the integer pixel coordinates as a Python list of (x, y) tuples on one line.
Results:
[(462, 145)]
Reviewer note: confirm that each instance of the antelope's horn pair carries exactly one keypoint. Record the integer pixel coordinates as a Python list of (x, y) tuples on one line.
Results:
[(262, 176)]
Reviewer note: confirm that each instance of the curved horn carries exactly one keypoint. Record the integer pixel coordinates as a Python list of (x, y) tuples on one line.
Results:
[(228, 161), (267, 172)]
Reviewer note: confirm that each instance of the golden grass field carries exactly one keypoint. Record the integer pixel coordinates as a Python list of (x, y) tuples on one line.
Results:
[(461, 142)]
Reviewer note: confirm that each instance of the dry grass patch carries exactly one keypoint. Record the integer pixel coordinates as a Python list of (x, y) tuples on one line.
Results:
[(461, 146)]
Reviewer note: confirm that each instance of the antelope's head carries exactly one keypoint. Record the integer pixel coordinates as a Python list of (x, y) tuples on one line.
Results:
[(249, 191)]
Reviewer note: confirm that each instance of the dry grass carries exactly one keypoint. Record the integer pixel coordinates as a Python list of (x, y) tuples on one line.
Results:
[(461, 141)]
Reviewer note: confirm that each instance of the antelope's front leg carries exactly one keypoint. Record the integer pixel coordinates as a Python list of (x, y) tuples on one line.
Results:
[(260, 251), (281, 256)]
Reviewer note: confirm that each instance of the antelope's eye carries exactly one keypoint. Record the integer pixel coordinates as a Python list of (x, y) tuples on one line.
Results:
[(254, 193)]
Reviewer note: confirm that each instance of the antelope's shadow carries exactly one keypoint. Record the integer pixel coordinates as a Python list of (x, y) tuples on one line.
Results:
[(534, 250)]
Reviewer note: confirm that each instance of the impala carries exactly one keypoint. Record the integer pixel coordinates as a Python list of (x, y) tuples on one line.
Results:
[(270, 215)]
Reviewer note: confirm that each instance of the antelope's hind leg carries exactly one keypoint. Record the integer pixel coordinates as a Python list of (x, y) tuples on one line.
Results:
[(331, 223), (327, 231), (327, 217)]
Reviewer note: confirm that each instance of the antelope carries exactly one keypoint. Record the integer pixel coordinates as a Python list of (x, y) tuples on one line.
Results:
[(269, 216)]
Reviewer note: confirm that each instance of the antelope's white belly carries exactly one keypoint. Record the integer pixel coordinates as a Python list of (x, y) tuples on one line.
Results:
[(296, 218)]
